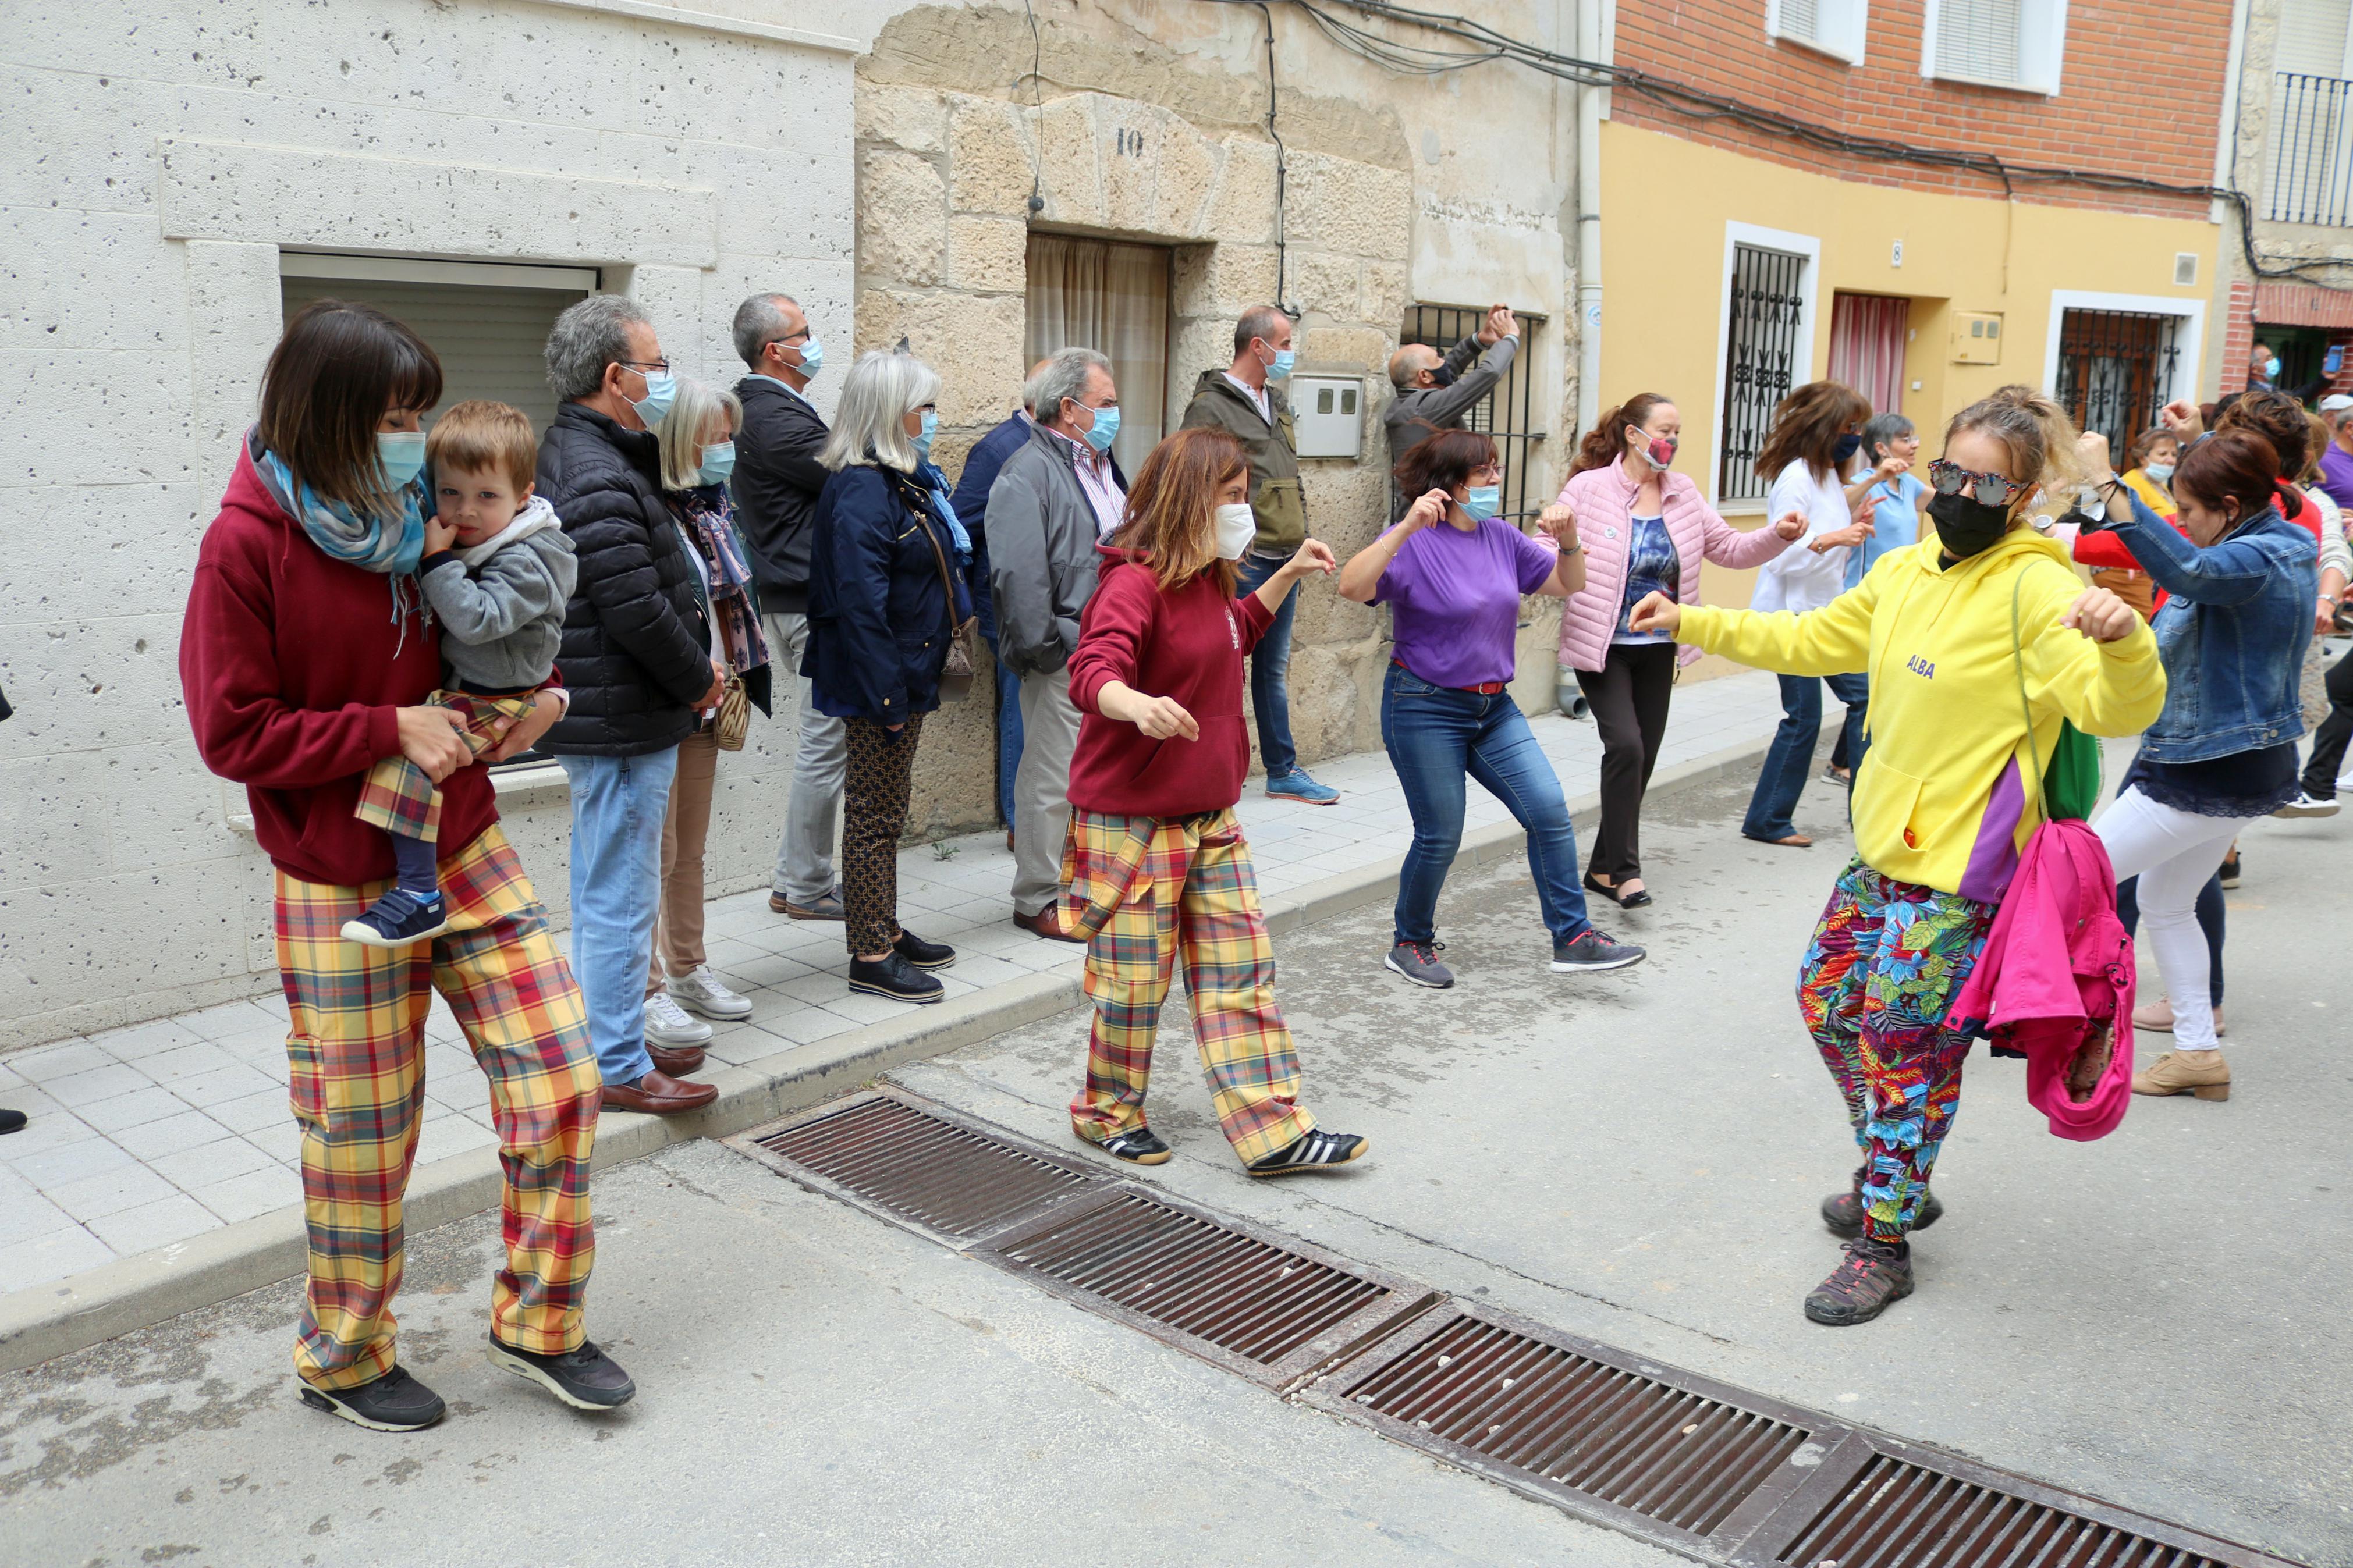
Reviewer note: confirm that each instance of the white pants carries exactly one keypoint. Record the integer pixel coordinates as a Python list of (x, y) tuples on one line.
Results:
[(2172, 852), (1041, 789), (820, 763)]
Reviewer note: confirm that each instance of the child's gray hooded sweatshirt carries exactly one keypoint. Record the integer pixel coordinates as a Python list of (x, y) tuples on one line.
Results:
[(501, 602)]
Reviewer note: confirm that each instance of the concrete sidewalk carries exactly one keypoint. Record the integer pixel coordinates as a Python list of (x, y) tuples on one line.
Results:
[(160, 1170)]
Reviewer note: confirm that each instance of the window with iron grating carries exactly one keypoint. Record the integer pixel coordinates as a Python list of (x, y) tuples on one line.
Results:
[(2117, 369), (1762, 362), (1507, 414)]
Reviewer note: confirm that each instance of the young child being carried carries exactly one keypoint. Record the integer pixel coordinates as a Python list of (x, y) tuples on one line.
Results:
[(496, 570)]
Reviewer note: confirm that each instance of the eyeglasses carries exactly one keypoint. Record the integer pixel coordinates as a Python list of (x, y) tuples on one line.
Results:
[(1993, 490), (660, 364)]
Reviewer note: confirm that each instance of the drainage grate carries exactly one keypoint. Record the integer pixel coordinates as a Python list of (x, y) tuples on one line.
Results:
[(920, 1165), (1275, 1311), (1555, 1415), (1895, 1514)]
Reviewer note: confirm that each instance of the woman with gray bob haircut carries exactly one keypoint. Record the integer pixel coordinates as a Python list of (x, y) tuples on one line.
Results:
[(697, 439), (883, 602)]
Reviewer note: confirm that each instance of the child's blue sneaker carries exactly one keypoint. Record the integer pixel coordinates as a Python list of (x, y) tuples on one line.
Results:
[(1296, 785), (397, 919)]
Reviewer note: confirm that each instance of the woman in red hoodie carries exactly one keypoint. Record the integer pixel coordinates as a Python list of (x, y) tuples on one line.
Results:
[(305, 658), (1156, 867)]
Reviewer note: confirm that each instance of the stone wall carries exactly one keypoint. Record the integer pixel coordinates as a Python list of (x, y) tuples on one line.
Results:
[(1162, 145)]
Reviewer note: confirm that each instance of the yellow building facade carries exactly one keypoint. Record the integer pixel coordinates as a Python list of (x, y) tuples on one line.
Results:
[(2028, 279)]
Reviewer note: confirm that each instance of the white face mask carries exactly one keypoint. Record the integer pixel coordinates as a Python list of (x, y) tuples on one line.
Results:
[(1236, 526)]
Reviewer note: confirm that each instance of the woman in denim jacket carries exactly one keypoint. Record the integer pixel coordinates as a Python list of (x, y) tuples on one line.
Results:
[(2242, 582)]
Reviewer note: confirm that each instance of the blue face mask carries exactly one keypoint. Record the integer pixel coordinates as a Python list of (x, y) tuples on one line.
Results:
[(718, 462), (661, 391), (931, 428), (1106, 429), (1848, 445), (1483, 502), (812, 356), (1281, 369), (402, 453), (2270, 367)]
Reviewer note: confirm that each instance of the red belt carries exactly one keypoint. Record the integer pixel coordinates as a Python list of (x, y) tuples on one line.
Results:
[(1485, 689)]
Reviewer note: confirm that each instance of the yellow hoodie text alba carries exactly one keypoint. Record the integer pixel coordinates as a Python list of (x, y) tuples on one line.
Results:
[(1942, 798)]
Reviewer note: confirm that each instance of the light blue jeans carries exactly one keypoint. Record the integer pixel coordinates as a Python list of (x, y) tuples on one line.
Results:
[(618, 808)]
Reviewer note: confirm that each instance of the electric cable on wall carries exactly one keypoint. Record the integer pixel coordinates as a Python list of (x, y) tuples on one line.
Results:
[(1696, 104), (1282, 171)]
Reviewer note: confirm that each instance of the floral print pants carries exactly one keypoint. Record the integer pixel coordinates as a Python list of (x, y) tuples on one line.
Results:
[(1877, 981)]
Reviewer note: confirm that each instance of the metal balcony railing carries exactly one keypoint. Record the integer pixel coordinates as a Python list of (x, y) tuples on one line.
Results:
[(2312, 149)]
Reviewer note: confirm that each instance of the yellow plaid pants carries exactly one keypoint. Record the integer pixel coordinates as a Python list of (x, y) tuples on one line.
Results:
[(401, 797), (356, 1055), (1148, 891)]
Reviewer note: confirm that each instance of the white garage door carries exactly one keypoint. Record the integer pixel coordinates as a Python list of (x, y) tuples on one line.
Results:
[(489, 337)]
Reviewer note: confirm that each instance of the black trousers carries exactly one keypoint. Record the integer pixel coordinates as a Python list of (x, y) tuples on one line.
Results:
[(1629, 697), (2328, 740)]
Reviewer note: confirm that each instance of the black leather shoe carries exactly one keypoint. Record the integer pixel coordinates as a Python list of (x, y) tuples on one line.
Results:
[(392, 1402), (1138, 1146), (896, 978), (924, 955), (11, 1121), (586, 1378), (1639, 899)]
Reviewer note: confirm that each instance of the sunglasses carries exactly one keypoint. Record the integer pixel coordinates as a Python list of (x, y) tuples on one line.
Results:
[(1992, 489)]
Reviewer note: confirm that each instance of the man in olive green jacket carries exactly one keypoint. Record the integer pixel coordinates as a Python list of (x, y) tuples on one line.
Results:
[(1243, 401)]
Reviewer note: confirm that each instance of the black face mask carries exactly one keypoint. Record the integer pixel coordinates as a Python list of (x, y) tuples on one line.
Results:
[(1965, 525), (1442, 376)]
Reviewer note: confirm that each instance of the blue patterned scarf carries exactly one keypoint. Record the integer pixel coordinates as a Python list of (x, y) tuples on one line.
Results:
[(392, 545)]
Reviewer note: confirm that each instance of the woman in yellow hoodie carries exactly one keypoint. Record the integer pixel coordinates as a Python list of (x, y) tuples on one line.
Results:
[(1944, 801)]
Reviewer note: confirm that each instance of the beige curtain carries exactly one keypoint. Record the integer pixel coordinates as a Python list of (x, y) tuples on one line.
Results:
[(1113, 298)]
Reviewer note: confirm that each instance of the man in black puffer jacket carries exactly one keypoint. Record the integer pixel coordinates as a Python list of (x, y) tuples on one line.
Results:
[(635, 658)]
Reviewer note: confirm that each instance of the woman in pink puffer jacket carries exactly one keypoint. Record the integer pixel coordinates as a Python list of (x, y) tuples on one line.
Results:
[(1645, 527)]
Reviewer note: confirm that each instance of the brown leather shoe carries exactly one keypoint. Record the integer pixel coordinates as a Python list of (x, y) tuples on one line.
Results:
[(659, 1094), (676, 1060), (1047, 923)]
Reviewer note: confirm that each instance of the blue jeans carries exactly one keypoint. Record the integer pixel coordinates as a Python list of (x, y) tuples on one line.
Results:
[(1271, 669), (1008, 685), (618, 805), (1782, 779), (1435, 739)]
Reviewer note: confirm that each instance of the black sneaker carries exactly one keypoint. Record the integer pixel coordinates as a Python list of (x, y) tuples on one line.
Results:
[(896, 978), (923, 954), (1842, 1212), (1589, 949), (2229, 872), (398, 919), (392, 1402), (1137, 1146), (1872, 1276), (11, 1121), (1418, 961), (585, 1379), (1319, 1150)]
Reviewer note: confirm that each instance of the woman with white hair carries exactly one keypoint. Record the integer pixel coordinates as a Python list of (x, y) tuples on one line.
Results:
[(883, 604), (698, 453)]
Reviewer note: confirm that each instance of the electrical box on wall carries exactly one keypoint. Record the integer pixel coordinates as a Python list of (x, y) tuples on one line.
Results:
[(1327, 416), (1977, 338)]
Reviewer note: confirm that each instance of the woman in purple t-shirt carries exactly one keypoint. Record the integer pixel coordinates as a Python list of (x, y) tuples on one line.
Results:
[(1452, 573)]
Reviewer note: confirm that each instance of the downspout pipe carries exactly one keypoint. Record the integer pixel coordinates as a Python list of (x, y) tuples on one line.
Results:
[(1592, 103)]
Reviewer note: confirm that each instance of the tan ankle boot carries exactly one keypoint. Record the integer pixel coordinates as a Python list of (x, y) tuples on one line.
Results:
[(2173, 1073)]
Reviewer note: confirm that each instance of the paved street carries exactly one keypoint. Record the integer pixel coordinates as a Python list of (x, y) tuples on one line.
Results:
[(2155, 1318)]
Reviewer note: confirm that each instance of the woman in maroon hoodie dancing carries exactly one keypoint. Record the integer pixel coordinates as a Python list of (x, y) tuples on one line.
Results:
[(1156, 867), (306, 659)]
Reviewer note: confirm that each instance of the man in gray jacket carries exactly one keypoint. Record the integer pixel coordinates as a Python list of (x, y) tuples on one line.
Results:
[(1433, 393), (1057, 497)]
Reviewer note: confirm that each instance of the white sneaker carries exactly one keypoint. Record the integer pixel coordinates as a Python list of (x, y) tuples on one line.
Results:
[(668, 1025), (700, 992), (2305, 805)]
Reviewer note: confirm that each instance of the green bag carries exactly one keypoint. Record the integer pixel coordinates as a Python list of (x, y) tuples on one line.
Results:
[(2070, 786)]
